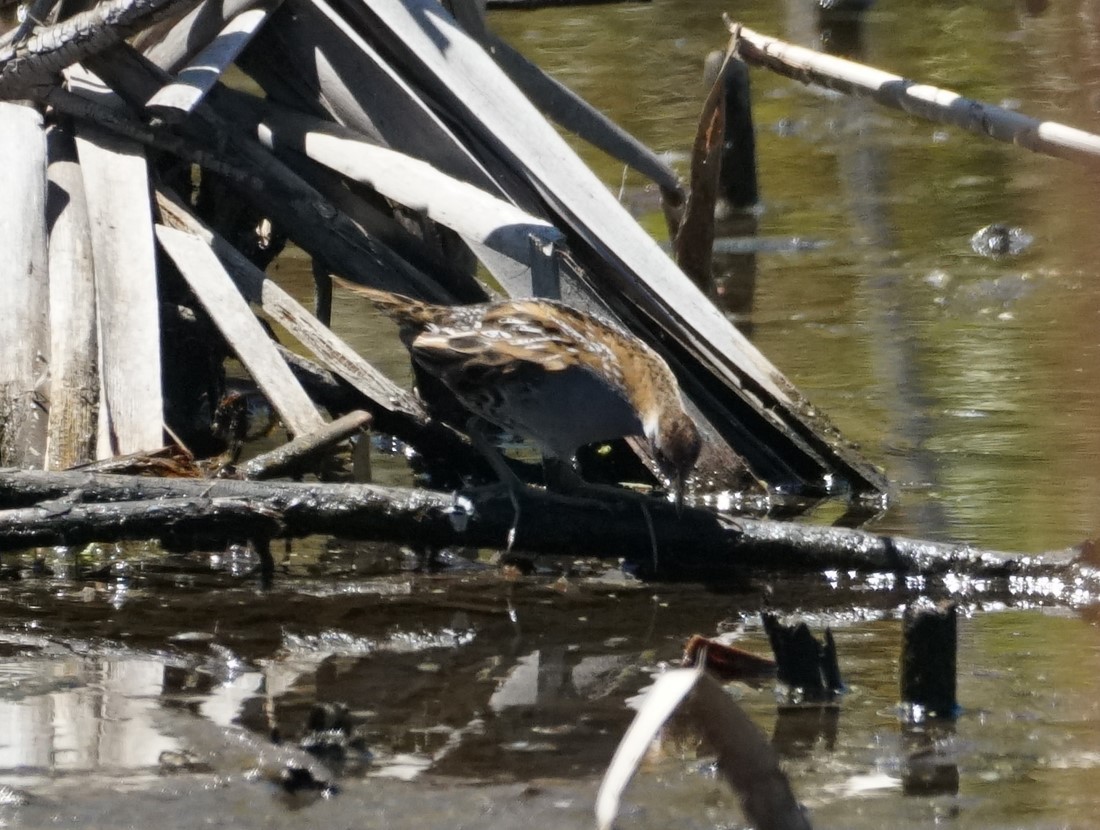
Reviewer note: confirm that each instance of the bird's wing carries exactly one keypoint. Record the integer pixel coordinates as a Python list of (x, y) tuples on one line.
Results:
[(466, 359), (514, 344)]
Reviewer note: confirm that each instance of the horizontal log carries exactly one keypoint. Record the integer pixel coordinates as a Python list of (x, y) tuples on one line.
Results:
[(197, 522), (697, 545)]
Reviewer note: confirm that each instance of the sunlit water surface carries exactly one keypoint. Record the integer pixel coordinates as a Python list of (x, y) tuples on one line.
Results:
[(125, 676)]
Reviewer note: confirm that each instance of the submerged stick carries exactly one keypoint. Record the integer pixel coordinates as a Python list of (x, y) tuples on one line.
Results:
[(932, 103), (305, 449), (806, 666), (697, 545)]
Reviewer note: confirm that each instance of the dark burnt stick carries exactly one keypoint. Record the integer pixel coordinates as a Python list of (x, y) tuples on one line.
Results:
[(807, 667)]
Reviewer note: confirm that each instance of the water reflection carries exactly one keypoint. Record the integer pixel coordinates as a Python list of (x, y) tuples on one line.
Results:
[(74, 714)]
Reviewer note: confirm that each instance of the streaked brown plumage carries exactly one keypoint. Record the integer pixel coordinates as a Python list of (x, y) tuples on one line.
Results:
[(549, 373)]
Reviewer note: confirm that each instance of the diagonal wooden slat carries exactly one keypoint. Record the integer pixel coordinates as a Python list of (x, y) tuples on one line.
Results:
[(216, 291)]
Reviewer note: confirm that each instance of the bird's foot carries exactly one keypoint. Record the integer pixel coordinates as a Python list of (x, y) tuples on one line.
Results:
[(513, 490)]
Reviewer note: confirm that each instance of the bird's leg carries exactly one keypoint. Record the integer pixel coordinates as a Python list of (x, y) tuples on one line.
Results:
[(561, 476), (652, 533), (507, 477)]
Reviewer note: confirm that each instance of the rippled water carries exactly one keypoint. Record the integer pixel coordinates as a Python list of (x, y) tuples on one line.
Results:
[(138, 688)]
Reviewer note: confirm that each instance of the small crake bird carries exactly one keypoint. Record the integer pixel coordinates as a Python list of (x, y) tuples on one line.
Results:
[(549, 373)]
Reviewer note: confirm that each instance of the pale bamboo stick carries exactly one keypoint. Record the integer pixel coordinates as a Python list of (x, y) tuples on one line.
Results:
[(932, 103)]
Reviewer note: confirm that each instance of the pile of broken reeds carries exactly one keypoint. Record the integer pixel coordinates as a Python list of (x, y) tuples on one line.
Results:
[(398, 146)]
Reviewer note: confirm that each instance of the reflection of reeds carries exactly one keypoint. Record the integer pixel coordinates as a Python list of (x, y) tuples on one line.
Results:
[(90, 714)]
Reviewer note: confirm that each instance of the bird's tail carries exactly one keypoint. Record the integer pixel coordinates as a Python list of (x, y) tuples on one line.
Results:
[(403, 310)]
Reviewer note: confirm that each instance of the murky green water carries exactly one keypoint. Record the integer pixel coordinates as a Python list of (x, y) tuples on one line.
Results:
[(135, 688)]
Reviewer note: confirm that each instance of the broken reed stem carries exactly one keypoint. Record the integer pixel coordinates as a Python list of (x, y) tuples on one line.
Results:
[(923, 100)]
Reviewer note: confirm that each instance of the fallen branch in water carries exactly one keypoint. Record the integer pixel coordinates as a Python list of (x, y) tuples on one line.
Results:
[(69, 508), (932, 103), (305, 450)]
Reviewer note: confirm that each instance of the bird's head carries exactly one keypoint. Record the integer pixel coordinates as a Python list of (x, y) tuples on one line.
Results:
[(676, 443)]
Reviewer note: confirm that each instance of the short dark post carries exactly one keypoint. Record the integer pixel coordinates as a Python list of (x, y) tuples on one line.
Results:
[(928, 667)]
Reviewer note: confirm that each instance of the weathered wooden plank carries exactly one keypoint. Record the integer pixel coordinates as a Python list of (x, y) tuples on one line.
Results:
[(202, 73), (464, 80), (74, 378), (471, 212), (24, 332), (116, 186), (227, 308), (184, 38), (324, 63), (313, 222)]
